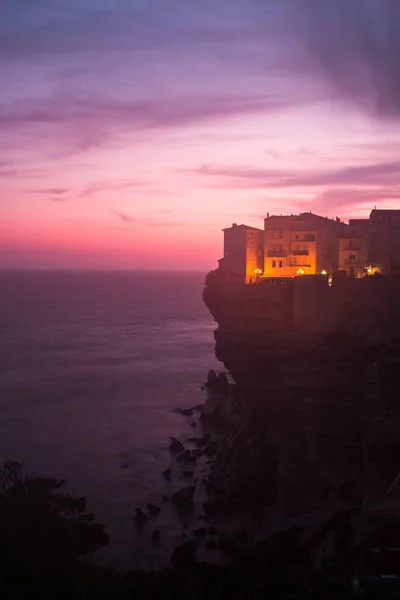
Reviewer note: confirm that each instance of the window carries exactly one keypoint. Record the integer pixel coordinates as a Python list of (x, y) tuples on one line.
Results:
[(309, 237), (273, 264), (280, 264), (352, 256)]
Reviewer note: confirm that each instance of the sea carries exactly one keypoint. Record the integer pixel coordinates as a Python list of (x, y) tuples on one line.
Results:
[(93, 365)]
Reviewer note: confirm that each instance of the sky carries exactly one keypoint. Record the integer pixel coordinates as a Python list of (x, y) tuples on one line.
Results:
[(133, 131)]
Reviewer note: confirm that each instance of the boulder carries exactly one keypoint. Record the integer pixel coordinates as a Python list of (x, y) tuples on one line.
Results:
[(154, 509), (201, 532), (176, 446), (184, 555), (197, 453), (211, 545), (165, 498), (167, 474), (193, 424), (187, 473), (211, 449), (186, 456), (187, 412), (140, 516), (184, 496), (211, 379), (155, 536), (212, 530)]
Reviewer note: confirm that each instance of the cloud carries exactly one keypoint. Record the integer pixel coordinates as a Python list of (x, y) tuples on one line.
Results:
[(107, 186), (347, 197), (385, 173), (355, 46), (148, 221), (124, 217), (52, 191)]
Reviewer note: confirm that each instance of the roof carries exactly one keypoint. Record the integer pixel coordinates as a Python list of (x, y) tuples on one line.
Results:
[(305, 216), (234, 226)]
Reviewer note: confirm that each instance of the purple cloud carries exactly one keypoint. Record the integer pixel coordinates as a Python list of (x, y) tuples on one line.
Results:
[(386, 173)]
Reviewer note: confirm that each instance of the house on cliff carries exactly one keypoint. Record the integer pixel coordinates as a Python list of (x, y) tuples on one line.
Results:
[(308, 244), (353, 248), (243, 252), (304, 244)]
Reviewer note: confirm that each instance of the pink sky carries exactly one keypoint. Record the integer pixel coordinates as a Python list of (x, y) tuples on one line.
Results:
[(132, 132)]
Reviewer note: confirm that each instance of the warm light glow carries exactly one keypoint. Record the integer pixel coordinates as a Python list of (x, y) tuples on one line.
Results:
[(323, 272), (300, 272), (372, 270), (257, 271)]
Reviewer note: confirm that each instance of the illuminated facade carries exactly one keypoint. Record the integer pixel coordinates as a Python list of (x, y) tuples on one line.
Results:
[(243, 252), (304, 244), (307, 244)]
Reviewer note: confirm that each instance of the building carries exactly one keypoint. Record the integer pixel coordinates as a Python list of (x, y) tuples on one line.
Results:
[(308, 244), (304, 244), (354, 248), (384, 241), (243, 252)]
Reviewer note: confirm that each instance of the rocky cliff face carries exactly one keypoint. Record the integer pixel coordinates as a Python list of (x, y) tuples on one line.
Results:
[(312, 419)]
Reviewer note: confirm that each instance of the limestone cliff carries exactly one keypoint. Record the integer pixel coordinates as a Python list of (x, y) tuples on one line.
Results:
[(313, 416)]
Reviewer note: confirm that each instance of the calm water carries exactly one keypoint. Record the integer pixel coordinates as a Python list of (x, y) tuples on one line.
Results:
[(92, 366)]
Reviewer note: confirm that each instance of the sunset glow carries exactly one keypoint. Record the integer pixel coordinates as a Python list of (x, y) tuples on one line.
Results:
[(132, 132)]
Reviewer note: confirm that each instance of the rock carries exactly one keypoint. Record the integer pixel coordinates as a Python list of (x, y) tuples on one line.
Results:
[(222, 382), (186, 456), (140, 516), (184, 555), (167, 474), (200, 532), (211, 379), (197, 453), (176, 446), (155, 536), (212, 530), (187, 473), (154, 509), (125, 466), (183, 497), (226, 546), (197, 407), (211, 449), (205, 481), (186, 412), (211, 545), (193, 424), (165, 498)]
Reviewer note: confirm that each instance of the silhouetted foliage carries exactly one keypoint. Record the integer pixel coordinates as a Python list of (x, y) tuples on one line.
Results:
[(43, 531)]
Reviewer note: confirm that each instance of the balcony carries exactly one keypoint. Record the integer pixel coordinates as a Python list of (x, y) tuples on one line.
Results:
[(273, 253), (350, 247), (292, 264), (300, 252)]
